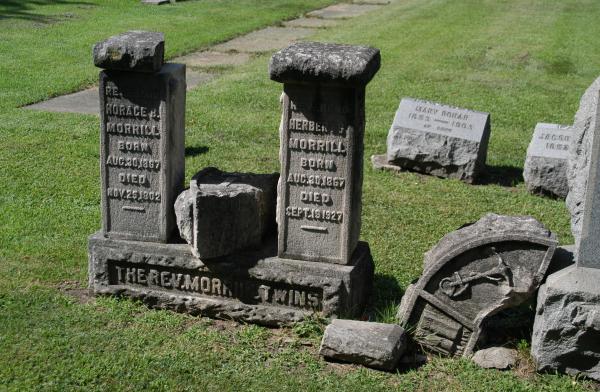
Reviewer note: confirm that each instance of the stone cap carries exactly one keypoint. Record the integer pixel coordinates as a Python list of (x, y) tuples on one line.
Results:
[(140, 51), (325, 62)]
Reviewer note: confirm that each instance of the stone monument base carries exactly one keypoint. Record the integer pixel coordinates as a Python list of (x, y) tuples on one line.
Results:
[(254, 287), (566, 331)]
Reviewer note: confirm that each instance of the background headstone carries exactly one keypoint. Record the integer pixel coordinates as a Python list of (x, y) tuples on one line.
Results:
[(545, 170), (142, 137), (472, 273), (437, 139), (322, 126)]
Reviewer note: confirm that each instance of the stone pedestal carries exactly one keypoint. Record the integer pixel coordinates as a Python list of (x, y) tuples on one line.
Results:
[(254, 287), (142, 149), (322, 127), (566, 332)]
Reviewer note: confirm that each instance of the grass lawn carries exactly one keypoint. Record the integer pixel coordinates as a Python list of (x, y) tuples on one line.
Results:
[(525, 61)]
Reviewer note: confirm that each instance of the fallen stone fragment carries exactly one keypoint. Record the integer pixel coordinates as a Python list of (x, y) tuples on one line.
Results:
[(501, 358), (566, 331), (375, 345), (222, 212), (140, 51), (472, 273)]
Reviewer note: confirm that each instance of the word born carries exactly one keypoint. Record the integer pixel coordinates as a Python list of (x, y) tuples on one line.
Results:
[(245, 291)]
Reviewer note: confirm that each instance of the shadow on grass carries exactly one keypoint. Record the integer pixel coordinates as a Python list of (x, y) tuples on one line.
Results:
[(508, 176), (193, 151), (24, 9)]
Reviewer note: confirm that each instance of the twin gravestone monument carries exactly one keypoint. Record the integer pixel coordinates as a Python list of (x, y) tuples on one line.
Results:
[(318, 264)]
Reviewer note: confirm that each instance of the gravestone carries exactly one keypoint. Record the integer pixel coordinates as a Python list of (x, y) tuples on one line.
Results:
[(545, 170), (437, 139), (584, 126), (242, 278), (142, 102), (322, 129), (566, 331), (471, 274)]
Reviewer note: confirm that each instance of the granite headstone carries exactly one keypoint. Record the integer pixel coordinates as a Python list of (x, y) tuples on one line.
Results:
[(545, 170), (322, 129), (436, 139), (142, 109)]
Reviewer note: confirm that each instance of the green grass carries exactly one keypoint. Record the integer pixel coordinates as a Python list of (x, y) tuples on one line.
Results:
[(524, 61)]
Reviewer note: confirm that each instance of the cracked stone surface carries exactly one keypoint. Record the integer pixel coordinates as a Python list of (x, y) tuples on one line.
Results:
[(265, 40), (343, 11)]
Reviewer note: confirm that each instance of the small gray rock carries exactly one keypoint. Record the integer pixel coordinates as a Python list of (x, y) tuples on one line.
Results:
[(496, 358), (324, 62), (375, 345), (223, 213), (566, 331), (140, 51), (580, 154)]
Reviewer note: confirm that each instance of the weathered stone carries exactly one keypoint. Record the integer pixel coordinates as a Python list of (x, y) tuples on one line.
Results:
[(375, 345), (545, 170), (223, 213), (584, 127), (265, 40), (142, 151), (322, 127), (255, 287), (440, 140), (325, 63), (157, 2), (501, 358), (343, 11), (140, 51), (472, 273), (566, 332)]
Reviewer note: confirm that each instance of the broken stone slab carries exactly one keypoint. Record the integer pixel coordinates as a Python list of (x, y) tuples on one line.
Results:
[(265, 40), (439, 140), (223, 213), (500, 358), (566, 331), (584, 127), (325, 63), (140, 51), (343, 11), (545, 170), (471, 274), (254, 287), (375, 345)]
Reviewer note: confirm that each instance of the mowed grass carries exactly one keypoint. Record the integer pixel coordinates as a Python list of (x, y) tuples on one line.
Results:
[(524, 61)]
